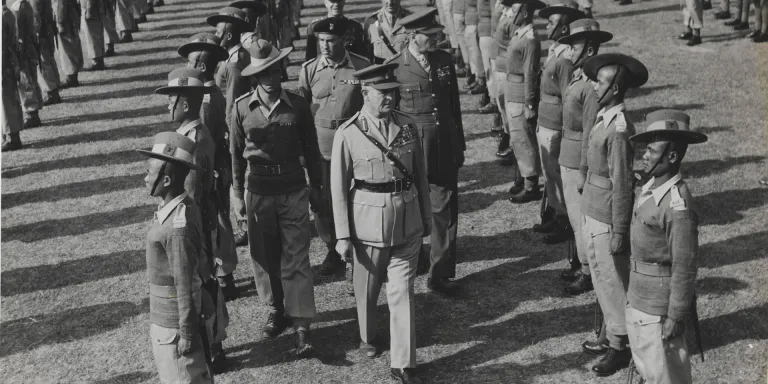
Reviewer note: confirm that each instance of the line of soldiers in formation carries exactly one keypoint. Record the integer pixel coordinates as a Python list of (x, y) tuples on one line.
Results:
[(379, 134)]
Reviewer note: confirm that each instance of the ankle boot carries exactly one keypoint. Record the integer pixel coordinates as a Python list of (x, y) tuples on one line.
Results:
[(11, 142), (612, 362)]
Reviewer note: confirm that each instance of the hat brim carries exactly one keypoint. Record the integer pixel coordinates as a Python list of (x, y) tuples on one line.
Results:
[(162, 156), (216, 19), (639, 73), (251, 69), (596, 36), (260, 9), (574, 13), (219, 53), (689, 137), (184, 89)]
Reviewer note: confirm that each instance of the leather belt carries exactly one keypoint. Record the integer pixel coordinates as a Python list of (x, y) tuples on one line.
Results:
[(572, 135), (515, 78), (275, 169), (599, 181), (650, 269), (163, 291), (330, 123), (396, 186), (550, 99)]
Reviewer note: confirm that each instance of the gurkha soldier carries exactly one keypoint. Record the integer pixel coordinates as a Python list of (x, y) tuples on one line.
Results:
[(579, 113), (606, 200), (12, 114), (335, 96), (353, 36), (664, 242), (429, 94), (204, 52), (505, 29), (48, 71), (230, 23), (173, 250), (29, 89), (254, 10), (384, 36), (92, 33), (69, 47)]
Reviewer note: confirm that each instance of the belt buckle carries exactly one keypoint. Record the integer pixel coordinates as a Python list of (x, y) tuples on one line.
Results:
[(274, 170), (334, 124), (398, 185)]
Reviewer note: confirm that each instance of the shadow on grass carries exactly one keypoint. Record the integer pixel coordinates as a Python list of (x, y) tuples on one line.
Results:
[(120, 157), (117, 133), (132, 92), (638, 115), (745, 324), (643, 91), (481, 175), (723, 37), (73, 190), (638, 12), (51, 229), (708, 167), (735, 250), (74, 324), (113, 115), (111, 80), (480, 135), (128, 378), (71, 272), (715, 129), (726, 206), (200, 22), (719, 285), (149, 63)]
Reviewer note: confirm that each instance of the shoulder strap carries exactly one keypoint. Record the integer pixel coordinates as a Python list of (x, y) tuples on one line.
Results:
[(391, 156)]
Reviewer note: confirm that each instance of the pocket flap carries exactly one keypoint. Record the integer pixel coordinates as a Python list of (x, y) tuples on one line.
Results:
[(163, 335), (514, 109)]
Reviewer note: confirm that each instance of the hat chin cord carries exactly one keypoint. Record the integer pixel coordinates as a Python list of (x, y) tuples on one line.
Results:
[(160, 175), (619, 72)]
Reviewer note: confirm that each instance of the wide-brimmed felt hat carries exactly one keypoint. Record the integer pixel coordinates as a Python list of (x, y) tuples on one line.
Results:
[(532, 4), (173, 147), (380, 76), (585, 29), (638, 73), (569, 8), (332, 25), (669, 125), (232, 15), (185, 81), (263, 56), (204, 41), (422, 22), (256, 6)]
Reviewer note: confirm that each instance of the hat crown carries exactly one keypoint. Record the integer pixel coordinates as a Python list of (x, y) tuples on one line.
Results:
[(331, 25), (205, 37), (567, 3), (260, 49), (420, 20), (234, 12), (173, 146), (668, 119), (185, 76), (584, 25)]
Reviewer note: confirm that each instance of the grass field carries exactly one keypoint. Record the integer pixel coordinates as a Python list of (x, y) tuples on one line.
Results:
[(75, 216)]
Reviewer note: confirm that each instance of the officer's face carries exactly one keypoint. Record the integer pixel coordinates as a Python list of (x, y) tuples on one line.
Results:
[(154, 168), (575, 51), (334, 8), (554, 21), (604, 86), (381, 101), (224, 32), (269, 80), (390, 5), (425, 42), (657, 161), (178, 107), (330, 45)]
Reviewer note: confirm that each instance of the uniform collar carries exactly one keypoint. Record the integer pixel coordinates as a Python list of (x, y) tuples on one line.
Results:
[(283, 98), (184, 129), (234, 49), (164, 211), (523, 30), (610, 114), (557, 49), (659, 192), (325, 62)]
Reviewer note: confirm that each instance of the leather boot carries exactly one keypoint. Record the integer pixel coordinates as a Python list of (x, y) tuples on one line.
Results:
[(487, 109), (471, 79), (51, 98), (548, 222), (218, 358), (570, 275), (503, 145), (96, 65), (70, 82), (151, 9), (485, 99), (612, 362), (125, 37), (31, 119), (331, 264), (404, 376), (479, 87), (304, 347), (276, 324), (443, 286), (581, 285), (526, 196), (598, 347), (110, 51), (11, 142), (228, 287), (562, 232)]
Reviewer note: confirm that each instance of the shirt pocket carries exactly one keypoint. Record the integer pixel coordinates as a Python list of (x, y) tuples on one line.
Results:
[(410, 97), (369, 166)]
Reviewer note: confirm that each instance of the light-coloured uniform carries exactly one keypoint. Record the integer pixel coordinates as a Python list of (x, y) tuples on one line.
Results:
[(45, 27), (12, 115), (70, 49), (693, 13), (92, 29), (384, 35), (29, 89)]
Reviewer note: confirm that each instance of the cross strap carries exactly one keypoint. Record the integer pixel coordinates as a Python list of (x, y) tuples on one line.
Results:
[(391, 156)]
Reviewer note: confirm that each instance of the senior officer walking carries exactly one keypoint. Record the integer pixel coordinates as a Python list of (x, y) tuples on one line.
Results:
[(606, 200), (664, 242), (271, 130), (326, 82), (428, 84), (381, 211), (384, 36)]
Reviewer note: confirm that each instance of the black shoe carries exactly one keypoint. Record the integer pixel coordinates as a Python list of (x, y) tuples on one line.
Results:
[(70, 82), (218, 359), (594, 348), (276, 324), (404, 376), (151, 9), (526, 196), (304, 347), (706, 5), (443, 286), (110, 51), (503, 149), (722, 15), (228, 288), (625, 2), (488, 108), (368, 350), (478, 88), (96, 65), (31, 120), (51, 98), (570, 275), (741, 26), (752, 34), (548, 222), (612, 362), (143, 19), (241, 233), (125, 37), (733, 22), (761, 38), (471, 79), (331, 264), (159, 3), (582, 285), (696, 40), (515, 188), (685, 35), (11, 142)]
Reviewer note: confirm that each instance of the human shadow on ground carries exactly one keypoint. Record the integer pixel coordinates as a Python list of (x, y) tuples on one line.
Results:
[(176, 59), (113, 115), (480, 135), (723, 37), (112, 158), (75, 190), (638, 115), (708, 167), (483, 175), (726, 206), (744, 324), (200, 22), (31, 332), (153, 76), (643, 91), (128, 378), (132, 92), (148, 51), (719, 285), (169, 36), (114, 134), (638, 12), (51, 229), (71, 272), (735, 250)]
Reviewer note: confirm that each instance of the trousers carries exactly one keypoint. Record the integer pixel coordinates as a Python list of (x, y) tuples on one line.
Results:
[(12, 114), (522, 140), (445, 217), (549, 153), (324, 214), (70, 50), (693, 14), (658, 361), (571, 178), (48, 72), (172, 367), (475, 58), (446, 11)]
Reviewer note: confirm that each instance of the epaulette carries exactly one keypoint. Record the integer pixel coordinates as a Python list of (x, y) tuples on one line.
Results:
[(677, 202), (621, 122), (180, 220), (349, 122), (356, 56), (247, 94), (304, 64)]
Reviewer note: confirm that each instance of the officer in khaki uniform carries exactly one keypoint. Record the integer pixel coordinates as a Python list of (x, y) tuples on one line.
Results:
[(67, 14), (29, 89), (381, 210), (384, 36), (173, 245), (47, 71), (271, 130), (429, 94), (326, 82), (606, 200), (12, 114), (664, 242), (230, 23), (353, 35)]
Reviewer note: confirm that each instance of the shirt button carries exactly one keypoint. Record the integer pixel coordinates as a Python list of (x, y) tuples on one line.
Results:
[(433, 95), (391, 163)]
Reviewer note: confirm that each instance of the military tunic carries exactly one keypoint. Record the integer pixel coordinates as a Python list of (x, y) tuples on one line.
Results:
[(384, 36), (29, 89), (12, 114), (229, 80), (664, 241), (45, 27), (353, 39), (70, 49)]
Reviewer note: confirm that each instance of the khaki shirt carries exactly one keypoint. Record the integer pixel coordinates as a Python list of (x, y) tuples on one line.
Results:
[(380, 24)]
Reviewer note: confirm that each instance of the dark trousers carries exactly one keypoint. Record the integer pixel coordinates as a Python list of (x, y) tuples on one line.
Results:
[(324, 214), (445, 217)]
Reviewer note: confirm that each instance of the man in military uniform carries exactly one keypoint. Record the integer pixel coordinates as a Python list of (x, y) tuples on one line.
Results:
[(428, 85), (505, 29), (203, 51), (29, 89), (271, 130), (606, 200), (69, 47), (521, 99), (173, 245), (384, 36), (381, 211), (353, 37), (230, 23), (12, 114), (664, 243), (48, 71), (254, 10), (92, 33), (579, 114), (124, 23), (326, 82)]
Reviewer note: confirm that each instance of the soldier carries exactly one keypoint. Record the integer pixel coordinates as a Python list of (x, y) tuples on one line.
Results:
[(173, 245), (693, 18), (12, 116), (606, 200), (521, 97), (253, 11), (353, 39), (760, 34), (579, 113), (124, 23), (555, 77), (29, 89), (230, 22), (92, 33), (271, 130), (326, 82), (204, 52), (505, 29), (48, 71), (381, 211), (487, 48), (69, 47), (664, 242), (428, 85), (384, 36)]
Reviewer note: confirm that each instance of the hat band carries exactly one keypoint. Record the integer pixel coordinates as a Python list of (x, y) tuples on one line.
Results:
[(258, 62), (174, 151), (185, 82), (667, 125), (380, 81), (582, 29)]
